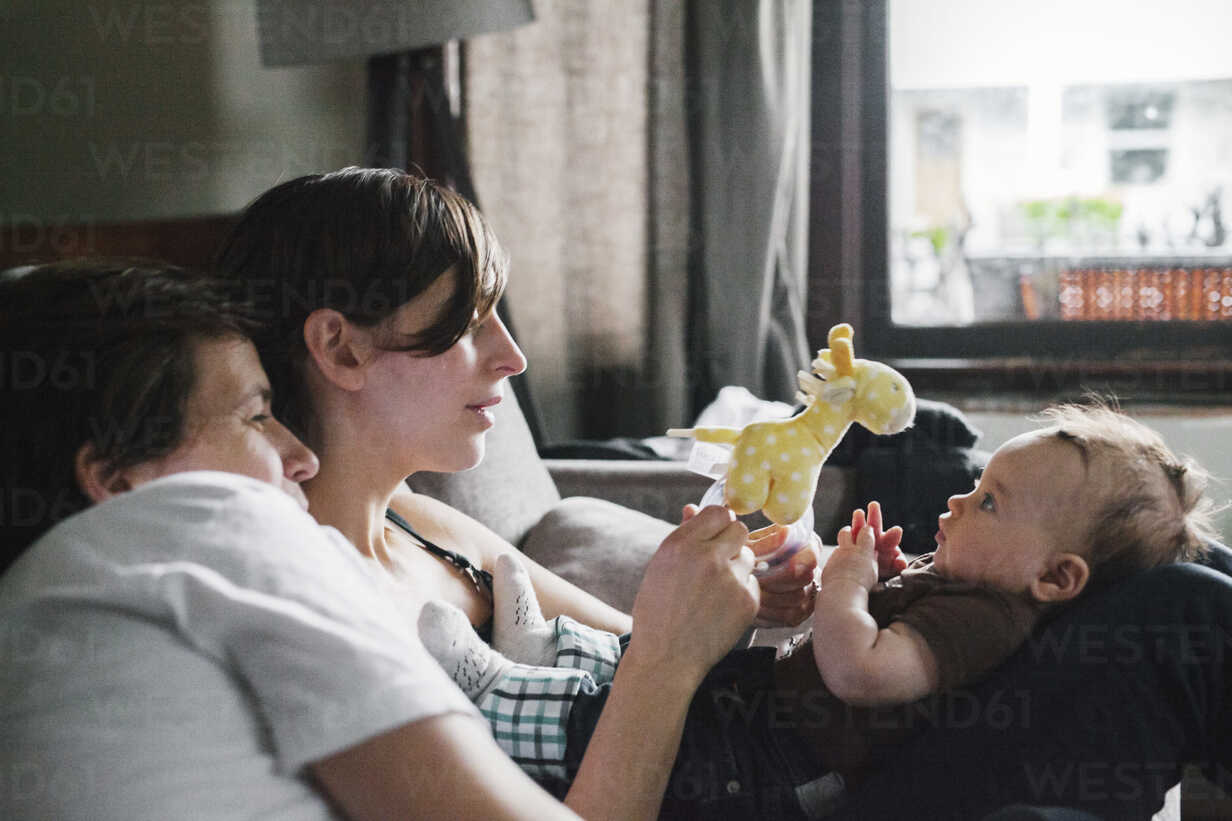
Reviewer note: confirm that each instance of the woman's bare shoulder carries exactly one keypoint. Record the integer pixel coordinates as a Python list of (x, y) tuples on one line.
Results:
[(406, 501), (444, 524)]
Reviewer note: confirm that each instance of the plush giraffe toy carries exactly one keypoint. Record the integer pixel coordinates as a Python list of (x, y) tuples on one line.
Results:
[(775, 465)]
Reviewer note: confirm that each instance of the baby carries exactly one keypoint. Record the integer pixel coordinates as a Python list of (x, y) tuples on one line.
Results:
[(1086, 501), (1093, 497)]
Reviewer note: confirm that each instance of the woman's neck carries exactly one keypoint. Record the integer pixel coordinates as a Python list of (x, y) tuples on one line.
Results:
[(359, 471), (350, 495)]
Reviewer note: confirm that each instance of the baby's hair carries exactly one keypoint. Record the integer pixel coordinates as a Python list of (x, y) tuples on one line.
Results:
[(1157, 513)]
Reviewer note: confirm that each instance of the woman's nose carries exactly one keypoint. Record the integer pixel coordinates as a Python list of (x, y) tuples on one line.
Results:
[(299, 463), (954, 503), (508, 356)]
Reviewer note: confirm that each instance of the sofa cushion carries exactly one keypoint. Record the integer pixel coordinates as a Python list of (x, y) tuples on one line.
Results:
[(601, 547)]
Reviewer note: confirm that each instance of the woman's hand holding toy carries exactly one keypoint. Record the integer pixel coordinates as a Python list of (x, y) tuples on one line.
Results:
[(697, 595), (788, 589)]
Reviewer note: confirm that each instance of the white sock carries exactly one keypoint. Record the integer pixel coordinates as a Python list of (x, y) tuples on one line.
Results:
[(519, 630), (521, 633), (449, 637)]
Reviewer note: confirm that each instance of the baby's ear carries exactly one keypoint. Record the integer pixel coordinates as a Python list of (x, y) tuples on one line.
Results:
[(1063, 578)]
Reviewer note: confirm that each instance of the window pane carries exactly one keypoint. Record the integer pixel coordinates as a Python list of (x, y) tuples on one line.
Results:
[(1060, 161)]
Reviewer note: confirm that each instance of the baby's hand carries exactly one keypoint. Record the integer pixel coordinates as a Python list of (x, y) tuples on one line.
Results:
[(890, 558), (854, 559)]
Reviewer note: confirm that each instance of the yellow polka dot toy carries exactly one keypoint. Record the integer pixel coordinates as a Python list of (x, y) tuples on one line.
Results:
[(775, 465)]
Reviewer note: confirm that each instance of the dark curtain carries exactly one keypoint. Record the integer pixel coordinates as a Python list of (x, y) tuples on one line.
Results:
[(749, 135), (651, 187)]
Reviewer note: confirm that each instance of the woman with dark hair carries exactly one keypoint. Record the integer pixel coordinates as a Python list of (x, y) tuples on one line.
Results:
[(381, 340), (181, 638)]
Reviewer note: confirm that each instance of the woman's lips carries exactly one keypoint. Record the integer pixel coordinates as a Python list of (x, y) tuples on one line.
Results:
[(485, 404), (482, 409)]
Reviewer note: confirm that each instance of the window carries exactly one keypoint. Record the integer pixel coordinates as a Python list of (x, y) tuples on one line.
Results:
[(1050, 181)]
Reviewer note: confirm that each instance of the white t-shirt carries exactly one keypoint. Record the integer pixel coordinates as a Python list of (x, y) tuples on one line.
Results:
[(183, 650)]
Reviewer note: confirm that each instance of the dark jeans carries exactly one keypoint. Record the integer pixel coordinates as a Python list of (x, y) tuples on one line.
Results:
[(736, 760), (1098, 712)]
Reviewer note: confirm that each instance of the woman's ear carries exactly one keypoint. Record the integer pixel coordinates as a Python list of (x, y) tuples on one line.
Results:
[(1065, 576), (337, 347), (94, 477)]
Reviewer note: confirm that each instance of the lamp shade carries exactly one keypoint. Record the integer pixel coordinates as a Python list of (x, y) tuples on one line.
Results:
[(299, 32)]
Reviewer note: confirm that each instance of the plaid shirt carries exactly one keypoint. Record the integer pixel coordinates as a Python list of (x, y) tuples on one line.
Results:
[(528, 710), (584, 648), (529, 716)]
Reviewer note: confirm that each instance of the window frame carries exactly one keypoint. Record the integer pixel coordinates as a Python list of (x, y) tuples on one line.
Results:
[(849, 256)]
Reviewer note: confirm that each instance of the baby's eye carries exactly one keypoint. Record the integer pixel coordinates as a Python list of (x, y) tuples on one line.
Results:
[(988, 503), (260, 419)]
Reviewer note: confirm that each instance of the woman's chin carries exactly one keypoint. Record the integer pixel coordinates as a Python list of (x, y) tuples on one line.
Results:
[(469, 465), (454, 456), (463, 459)]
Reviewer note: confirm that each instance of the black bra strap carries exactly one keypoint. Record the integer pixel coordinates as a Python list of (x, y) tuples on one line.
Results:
[(482, 579)]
